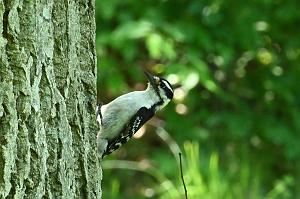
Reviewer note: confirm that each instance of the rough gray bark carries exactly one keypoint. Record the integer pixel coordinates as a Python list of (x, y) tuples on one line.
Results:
[(47, 100)]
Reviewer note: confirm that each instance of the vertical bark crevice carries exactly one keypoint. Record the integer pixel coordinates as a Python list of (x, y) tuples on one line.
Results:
[(5, 19)]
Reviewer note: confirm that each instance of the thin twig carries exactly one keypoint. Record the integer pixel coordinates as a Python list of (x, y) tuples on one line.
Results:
[(185, 190), (171, 143)]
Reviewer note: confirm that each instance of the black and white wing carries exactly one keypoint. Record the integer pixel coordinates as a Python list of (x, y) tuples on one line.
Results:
[(135, 123)]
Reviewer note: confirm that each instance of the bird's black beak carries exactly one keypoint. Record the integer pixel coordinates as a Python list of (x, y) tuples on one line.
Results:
[(154, 81)]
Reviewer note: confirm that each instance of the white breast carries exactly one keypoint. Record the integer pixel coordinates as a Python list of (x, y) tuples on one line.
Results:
[(118, 112)]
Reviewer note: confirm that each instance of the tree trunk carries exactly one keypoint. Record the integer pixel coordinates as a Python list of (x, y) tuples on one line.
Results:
[(47, 100)]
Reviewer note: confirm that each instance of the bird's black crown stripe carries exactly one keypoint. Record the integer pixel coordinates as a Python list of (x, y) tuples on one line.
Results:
[(169, 93)]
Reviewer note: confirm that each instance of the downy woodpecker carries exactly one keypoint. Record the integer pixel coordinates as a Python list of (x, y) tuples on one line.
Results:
[(124, 116)]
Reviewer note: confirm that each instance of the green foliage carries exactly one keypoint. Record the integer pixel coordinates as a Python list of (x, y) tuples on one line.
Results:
[(202, 181), (238, 66)]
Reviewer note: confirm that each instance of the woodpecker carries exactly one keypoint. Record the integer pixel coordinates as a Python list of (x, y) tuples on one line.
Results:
[(120, 119)]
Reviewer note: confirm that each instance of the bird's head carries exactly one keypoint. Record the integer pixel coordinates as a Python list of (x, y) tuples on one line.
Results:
[(162, 88)]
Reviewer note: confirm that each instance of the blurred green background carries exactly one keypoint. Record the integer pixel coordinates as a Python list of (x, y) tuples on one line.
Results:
[(235, 115)]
